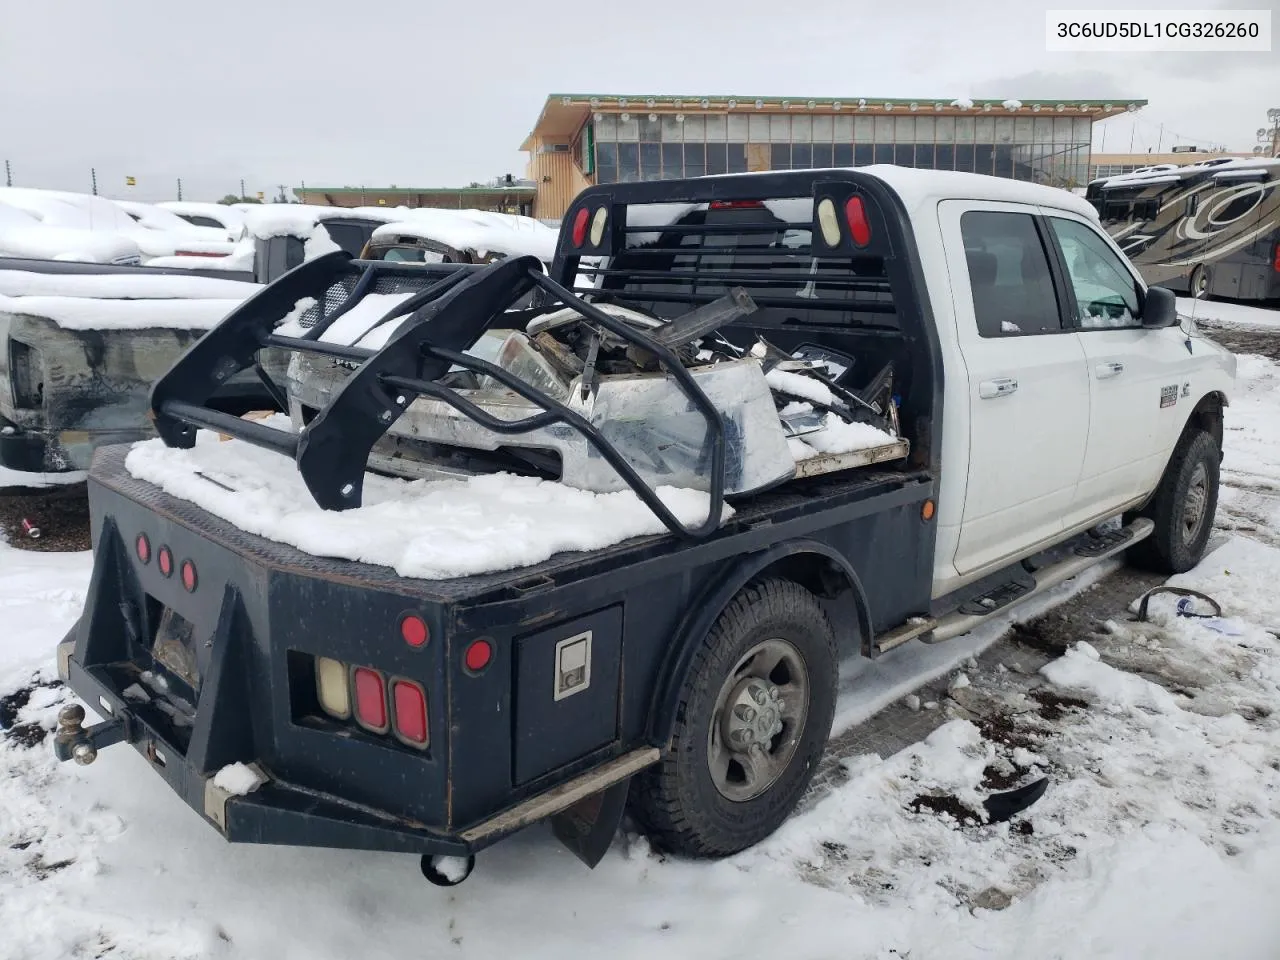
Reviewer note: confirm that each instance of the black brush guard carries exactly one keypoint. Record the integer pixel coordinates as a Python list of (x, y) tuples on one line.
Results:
[(456, 305)]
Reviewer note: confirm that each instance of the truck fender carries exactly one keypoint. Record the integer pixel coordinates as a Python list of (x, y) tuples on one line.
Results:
[(827, 574), (1206, 415)]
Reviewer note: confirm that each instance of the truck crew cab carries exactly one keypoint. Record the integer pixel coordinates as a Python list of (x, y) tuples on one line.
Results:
[(1034, 388)]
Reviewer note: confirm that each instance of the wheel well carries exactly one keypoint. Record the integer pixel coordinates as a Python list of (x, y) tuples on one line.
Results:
[(841, 594), (1207, 416)]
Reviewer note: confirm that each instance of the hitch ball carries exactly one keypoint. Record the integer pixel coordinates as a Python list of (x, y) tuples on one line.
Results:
[(71, 738)]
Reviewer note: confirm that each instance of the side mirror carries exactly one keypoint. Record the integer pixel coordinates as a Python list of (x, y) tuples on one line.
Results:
[(1159, 308)]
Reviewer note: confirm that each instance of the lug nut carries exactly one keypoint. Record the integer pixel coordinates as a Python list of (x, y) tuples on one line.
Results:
[(758, 695)]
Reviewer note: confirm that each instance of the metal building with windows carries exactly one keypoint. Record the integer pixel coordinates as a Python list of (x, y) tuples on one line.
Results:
[(584, 139)]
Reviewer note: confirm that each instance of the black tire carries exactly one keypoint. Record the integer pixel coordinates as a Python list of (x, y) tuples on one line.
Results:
[(677, 801), (1174, 546), (1200, 282)]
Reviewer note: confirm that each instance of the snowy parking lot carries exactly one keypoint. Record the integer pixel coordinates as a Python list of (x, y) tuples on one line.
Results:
[(1159, 835)]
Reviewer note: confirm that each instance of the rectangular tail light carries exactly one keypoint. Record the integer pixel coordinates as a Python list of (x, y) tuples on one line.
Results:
[(331, 688), (371, 699), (409, 702)]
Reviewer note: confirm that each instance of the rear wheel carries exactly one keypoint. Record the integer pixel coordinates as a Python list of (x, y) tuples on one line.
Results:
[(754, 717), (1183, 507), (1200, 282)]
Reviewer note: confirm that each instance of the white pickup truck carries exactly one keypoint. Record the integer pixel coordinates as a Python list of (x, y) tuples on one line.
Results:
[(1016, 384)]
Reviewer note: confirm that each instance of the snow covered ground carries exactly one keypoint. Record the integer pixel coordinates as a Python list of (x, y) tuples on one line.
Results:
[(1159, 835)]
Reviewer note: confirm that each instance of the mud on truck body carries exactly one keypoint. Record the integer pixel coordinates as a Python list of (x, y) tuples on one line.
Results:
[(691, 676)]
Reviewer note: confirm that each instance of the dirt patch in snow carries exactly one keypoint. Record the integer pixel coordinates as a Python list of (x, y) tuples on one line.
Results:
[(11, 704), (61, 515)]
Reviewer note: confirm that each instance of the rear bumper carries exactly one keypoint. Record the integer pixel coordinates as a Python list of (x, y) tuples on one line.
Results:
[(276, 812), (24, 452)]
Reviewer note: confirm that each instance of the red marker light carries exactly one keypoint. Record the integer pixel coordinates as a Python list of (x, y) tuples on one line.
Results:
[(165, 562), (143, 546), (189, 576), (580, 227), (478, 655), (414, 630), (855, 215)]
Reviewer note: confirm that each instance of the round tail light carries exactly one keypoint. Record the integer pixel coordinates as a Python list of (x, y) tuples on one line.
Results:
[(478, 655), (189, 576), (164, 560), (414, 630), (143, 546), (580, 227)]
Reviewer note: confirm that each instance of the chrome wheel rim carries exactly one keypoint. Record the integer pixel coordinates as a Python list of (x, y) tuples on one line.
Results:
[(758, 720), (1195, 504)]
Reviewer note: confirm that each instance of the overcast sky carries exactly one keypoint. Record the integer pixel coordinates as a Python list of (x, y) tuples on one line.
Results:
[(440, 93)]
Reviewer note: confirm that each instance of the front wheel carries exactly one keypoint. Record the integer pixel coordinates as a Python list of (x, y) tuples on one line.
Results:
[(1200, 282), (1183, 507), (754, 717)]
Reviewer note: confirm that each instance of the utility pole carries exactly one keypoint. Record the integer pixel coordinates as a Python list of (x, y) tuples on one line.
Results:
[(242, 188), (1269, 139), (8, 175), (93, 177), (179, 188), (1160, 142)]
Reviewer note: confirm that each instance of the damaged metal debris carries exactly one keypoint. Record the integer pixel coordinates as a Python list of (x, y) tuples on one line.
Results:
[(784, 412)]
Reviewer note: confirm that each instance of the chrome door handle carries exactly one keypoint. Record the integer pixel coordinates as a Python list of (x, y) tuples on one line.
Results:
[(1104, 371), (999, 387)]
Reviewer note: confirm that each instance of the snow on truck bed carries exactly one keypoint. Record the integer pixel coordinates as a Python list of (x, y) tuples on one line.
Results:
[(432, 530)]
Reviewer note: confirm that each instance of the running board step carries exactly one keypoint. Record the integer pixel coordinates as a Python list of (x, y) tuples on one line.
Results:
[(959, 623), (915, 627), (1104, 543), (999, 597)]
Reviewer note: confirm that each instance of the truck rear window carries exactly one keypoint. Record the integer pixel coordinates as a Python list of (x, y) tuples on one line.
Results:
[(695, 252)]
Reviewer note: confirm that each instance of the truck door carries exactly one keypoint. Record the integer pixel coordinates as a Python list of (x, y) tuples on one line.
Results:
[(1136, 376), (1028, 390)]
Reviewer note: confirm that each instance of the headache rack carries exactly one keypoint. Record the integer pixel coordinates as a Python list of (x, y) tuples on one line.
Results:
[(450, 306)]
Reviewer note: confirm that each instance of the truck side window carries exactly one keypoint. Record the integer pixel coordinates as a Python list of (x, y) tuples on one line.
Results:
[(1008, 275), (1106, 293)]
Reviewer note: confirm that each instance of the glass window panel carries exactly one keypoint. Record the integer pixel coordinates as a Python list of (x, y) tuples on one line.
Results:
[(650, 161), (822, 128), (863, 130), (884, 129), (884, 153), (1004, 129), (717, 127), (650, 130), (904, 154), (672, 129), (695, 159), (984, 129), (628, 162), (964, 129), (822, 155), (904, 129), (964, 157), (607, 154), (606, 174), (780, 128), (737, 157), (1009, 276), (801, 156), (863, 154), (780, 156), (758, 128), (944, 157), (1063, 129), (944, 130), (924, 156), (924, 129), (1042, 129), (1023, 131), (1083, 127), (628, 129), (736, 127), (607, 127), (695, 128), (1004, 160), (717, 159), (842, 155), (842, 129), (672, 161), (802, 129), (984, 158)]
